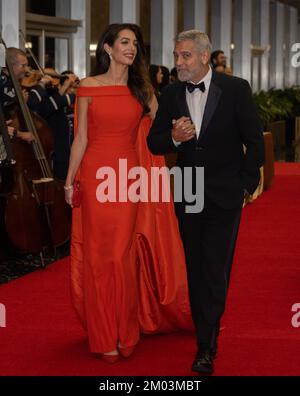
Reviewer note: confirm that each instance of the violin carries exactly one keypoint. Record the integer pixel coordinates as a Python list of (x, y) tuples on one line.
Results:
[(56, 77), (33, 77)]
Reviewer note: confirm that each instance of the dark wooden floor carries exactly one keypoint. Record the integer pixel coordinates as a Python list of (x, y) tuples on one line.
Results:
[(15, 264)]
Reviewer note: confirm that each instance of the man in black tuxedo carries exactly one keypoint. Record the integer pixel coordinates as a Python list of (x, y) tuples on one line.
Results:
[(207, 117)]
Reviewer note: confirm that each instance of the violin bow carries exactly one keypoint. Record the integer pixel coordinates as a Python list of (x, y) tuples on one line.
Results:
[(22, 36)]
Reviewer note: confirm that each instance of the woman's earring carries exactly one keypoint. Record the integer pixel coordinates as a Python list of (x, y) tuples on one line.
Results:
[(110, 55)]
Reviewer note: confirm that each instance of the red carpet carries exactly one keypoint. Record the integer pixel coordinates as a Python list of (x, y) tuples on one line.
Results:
[(287, 168), (43, 336)]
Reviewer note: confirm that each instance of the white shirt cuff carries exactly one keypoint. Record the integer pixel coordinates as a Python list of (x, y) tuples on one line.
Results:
[(176, 144)]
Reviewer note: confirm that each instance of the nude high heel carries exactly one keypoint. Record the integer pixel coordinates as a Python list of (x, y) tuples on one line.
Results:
[(126, 351), (110, 357)]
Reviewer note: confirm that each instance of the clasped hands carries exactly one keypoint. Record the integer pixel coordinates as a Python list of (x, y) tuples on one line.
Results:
[(183, 130)]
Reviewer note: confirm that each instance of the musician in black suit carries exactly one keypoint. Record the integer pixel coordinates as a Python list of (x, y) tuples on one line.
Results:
[(206, 118)]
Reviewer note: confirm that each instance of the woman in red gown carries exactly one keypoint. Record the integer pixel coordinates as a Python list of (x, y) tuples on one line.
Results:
[(127, 262)]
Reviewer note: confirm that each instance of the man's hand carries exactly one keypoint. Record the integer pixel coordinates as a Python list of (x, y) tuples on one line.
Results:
[(25, 95), (68, 84), (26, 136), (13, 132), (183, 130), (45, 81), (10, 129)]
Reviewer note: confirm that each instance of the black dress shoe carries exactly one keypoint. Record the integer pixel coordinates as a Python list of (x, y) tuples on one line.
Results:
[(203, 363)]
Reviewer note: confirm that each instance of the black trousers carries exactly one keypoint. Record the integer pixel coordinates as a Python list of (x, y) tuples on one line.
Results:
[(209, 240)]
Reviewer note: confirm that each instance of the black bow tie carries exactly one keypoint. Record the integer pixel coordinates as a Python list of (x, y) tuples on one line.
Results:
[(191, 87)]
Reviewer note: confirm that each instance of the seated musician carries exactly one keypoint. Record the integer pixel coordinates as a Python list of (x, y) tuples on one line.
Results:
[(48, 103), (55, 107), (7, 91)]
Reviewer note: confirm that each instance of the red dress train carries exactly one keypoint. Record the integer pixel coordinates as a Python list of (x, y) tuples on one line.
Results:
[(127, 261)]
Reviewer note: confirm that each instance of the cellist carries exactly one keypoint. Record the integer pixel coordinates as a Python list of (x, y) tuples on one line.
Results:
[(7, 92), (49, 104), (36, 201)]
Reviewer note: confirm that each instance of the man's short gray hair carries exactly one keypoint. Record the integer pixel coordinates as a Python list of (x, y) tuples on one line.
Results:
[(199, 38)]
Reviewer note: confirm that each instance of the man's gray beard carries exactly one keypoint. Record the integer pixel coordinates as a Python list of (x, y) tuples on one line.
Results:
[(184, 75)]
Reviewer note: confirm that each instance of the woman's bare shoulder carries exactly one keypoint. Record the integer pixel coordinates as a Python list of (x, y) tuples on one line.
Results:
[(89, 82)]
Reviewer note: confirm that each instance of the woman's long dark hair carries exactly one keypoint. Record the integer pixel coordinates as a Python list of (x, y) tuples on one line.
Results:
[(138, 79)]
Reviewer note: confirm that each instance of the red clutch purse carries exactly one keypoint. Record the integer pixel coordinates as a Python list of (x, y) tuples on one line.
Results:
[(76, 198)]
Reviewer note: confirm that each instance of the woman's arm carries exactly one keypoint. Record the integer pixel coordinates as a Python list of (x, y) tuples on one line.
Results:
[(153, 105), (78, 147)]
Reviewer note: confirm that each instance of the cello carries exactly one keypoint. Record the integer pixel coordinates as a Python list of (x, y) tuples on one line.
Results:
[(6, 156), (6, 172), (36, 214)]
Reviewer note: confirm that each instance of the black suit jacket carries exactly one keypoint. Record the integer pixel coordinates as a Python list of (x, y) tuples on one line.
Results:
[(230, 120)]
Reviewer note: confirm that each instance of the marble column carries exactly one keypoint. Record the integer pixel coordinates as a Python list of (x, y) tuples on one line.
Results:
[(163, 31), (123, 11), (221, 26), (277, 45), (195, 15), (242, 39), (265, 42), (290, 75), (63, 56), (13, 18), (81, 9)]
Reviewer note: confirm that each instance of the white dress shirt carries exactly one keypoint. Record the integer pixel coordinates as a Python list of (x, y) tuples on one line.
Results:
[(196, 101)]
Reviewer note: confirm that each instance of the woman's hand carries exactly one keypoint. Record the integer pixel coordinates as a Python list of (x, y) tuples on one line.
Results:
[(69, 195)]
